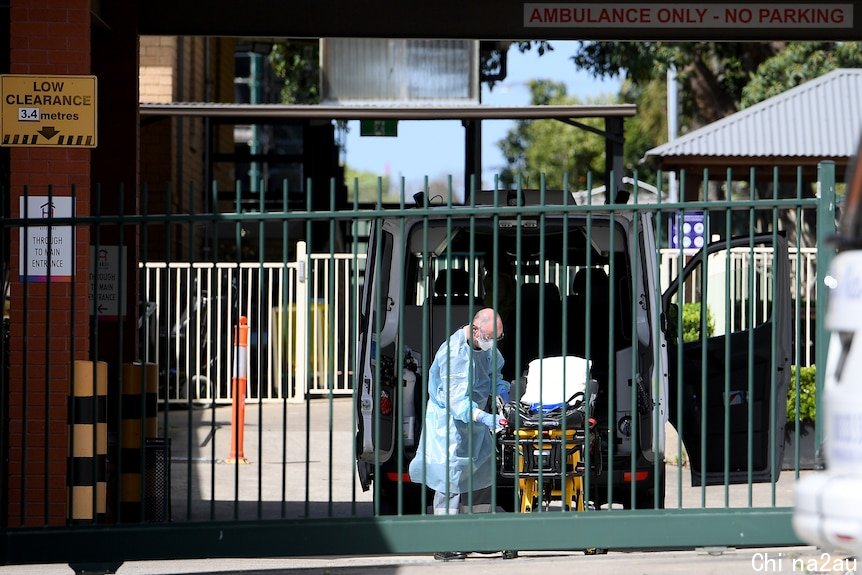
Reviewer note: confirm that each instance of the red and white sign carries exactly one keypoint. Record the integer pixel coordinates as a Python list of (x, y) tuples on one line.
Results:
[(747, 16)]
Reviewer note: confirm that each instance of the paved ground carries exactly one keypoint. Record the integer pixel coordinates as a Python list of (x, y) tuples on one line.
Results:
[(299, 452), (698, 562)]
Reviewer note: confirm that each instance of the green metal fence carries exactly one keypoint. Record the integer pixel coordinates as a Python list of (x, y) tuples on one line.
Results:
[(707, 357)]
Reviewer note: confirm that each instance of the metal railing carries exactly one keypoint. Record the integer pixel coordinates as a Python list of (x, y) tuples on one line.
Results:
[(192, 308), (297, 490), (196, 305)]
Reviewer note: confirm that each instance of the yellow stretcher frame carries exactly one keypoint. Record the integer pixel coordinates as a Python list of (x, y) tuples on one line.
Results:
[(571, 476)]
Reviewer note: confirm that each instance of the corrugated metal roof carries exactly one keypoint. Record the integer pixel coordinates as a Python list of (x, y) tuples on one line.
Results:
[(821, 118)]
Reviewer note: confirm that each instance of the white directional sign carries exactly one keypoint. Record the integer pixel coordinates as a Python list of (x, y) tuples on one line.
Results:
[(107, 281), (46, 252)]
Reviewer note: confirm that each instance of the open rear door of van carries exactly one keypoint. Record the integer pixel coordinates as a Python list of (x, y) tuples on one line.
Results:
[(729, 405), (374, 381)]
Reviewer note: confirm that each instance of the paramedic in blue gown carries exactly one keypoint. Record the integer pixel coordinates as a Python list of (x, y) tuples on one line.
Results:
[(456, 451)]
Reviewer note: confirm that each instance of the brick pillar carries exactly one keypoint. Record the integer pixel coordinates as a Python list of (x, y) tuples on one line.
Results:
[(50, 38)]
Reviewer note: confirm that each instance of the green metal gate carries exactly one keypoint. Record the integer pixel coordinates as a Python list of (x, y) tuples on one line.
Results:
[(279, 477)]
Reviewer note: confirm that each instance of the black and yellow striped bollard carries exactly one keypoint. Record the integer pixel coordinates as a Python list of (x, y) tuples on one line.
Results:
[(138, 422), (88, 442)]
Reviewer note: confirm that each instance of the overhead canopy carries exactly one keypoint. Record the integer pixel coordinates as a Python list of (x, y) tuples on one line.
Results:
[(506, 20), (249, 112)]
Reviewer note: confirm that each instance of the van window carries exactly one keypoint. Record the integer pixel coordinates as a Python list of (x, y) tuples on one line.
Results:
[(734, 287)]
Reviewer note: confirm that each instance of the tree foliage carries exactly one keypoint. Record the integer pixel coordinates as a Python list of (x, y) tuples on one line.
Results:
[(716, 79), (296, 63), (800, 62), (711, 74), (493, 56), (534, 148)]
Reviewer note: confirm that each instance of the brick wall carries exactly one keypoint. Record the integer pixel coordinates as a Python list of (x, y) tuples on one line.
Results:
[(158, 56), (183, 69), (46, 38)]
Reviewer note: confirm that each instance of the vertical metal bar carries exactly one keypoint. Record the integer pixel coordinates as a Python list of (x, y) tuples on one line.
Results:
[(448, 487), (257, 320), (635, 356), (375, 348), (563, 282), (285, 350), (192, 365), (331, 346), (796, 364), (588, 351), (354, 323), (5, 232), (679, 333), (426, 352), (612, 364), (308, 334), (399, 252), (659, 475), (234, 405), (750, 306), (25, 370), (46, 369), (773, 362), (170, 281), (471, 258), (495, 305), (728, 305), (519, 324), (542, 319), (825, 252), (704, 337), (215, 383)]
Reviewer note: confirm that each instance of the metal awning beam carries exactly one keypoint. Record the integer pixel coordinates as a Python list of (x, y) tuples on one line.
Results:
[(281, 111)]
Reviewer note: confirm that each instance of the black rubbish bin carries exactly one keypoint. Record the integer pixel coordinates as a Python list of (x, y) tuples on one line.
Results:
[(157, 487)]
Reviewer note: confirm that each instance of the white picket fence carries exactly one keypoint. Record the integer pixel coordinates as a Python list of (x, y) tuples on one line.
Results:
[(302, 322), (802, 270)]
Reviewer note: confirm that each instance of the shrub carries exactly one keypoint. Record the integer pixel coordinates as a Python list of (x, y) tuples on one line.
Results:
[(691, 322), (807, 395)]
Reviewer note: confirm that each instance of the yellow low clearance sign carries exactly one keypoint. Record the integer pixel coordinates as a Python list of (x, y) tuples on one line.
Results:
[(48, 111)]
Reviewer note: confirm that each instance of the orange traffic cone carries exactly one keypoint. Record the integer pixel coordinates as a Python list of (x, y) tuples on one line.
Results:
[(240, 369)]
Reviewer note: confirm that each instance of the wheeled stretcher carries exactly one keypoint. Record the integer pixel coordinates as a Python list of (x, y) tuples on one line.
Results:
[(543, 445)]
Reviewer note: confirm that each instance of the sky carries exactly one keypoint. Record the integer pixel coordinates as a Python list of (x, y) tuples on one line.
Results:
[(436, 148)]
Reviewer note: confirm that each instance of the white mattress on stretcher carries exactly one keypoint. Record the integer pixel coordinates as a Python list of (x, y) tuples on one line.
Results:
[(546, 384)]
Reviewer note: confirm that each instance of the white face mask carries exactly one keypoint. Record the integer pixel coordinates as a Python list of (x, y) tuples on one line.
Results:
[(485, 344)]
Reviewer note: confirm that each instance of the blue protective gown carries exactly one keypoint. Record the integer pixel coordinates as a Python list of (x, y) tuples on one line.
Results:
[(449, 426)]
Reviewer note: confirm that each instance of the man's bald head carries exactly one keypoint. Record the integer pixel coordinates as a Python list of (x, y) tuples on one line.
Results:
[(484, 320)]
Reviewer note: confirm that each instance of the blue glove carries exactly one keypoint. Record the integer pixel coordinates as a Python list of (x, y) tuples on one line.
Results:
[(503, 390), (491, 421)]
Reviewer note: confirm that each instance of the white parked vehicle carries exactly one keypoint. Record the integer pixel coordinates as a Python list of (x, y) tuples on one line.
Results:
[(594, 274), (828, 504)]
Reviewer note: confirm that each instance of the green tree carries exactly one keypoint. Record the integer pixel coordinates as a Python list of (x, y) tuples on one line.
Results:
[(800, 62), (533, 148), (712, 74), (370, 186), (296, 63), (716, 79)]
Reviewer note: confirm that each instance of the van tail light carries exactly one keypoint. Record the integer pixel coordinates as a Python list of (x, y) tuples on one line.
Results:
[(395, 477), (642, 475)]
